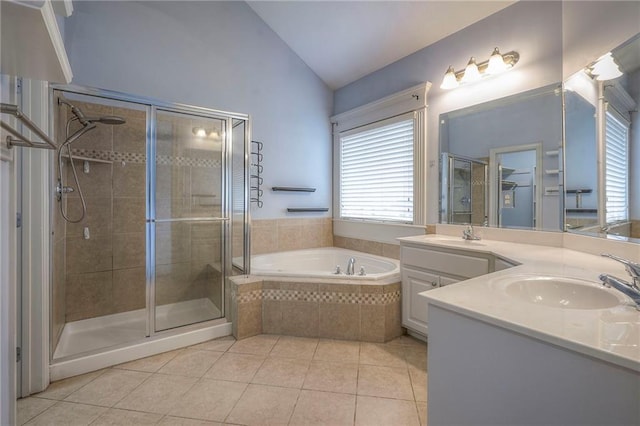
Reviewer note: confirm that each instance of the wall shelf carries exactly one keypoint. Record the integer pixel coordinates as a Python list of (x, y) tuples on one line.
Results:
[(292, 189), (307, 209), (582, 210), (92, 160)]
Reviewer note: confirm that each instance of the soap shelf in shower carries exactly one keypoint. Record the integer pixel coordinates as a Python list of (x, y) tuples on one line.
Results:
[(307, 209), (93, 160), (293, 189)]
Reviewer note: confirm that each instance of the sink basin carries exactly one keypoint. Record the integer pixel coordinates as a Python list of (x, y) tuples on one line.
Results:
[(565, 293)]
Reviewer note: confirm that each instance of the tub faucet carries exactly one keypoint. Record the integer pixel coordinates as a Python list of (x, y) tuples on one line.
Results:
[(468, 234), (351, 266), (631, 289)]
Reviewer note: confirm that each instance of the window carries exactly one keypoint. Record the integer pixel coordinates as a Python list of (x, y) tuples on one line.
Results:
[(376, 171), (617, 169)]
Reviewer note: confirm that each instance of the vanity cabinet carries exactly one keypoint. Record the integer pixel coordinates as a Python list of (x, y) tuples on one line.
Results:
[(427, 268)]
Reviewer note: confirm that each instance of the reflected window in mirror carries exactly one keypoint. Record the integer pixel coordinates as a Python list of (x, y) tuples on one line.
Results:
[(616, 168), (604, 201)]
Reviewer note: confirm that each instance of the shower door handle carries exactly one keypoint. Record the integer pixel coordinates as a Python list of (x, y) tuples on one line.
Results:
[(190, 219)]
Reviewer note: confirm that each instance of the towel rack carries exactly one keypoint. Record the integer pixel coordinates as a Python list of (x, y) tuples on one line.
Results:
[(256, 173), (21, 140)]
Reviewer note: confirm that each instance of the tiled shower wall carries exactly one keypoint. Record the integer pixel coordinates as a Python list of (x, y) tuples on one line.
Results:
[(105, 274), (188, 184)]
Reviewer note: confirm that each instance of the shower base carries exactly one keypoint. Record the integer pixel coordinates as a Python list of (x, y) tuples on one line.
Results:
[(90, 344)]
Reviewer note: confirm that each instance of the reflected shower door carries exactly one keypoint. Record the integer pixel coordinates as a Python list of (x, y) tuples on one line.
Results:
[(190, 219)]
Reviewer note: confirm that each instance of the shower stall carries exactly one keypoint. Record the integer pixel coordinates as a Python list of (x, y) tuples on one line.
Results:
[(149, 219), (463, 194)]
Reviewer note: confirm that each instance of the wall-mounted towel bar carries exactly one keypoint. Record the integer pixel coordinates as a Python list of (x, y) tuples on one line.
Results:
[(21, 140), (293, 189), (307, 209), (256, 179)]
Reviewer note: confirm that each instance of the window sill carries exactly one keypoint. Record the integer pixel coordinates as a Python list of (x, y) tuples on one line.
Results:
[(382, 232)]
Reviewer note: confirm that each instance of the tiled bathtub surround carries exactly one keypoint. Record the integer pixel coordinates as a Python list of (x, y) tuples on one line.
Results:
[(366, 246), (367, 312), (274, 235)]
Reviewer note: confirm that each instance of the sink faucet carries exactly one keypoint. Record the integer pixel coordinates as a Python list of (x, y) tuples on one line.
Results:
[(351, 266), (631, 289), (468, 234)]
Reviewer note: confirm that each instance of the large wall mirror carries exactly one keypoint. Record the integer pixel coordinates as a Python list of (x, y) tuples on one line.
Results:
[(501, 162), (602, 145)]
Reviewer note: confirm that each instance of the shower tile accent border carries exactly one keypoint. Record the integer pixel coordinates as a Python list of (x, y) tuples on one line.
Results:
[(369, 312), (141, 158)]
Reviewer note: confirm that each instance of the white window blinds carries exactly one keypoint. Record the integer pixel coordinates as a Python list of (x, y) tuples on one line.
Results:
[(617, 169), (376, 173)]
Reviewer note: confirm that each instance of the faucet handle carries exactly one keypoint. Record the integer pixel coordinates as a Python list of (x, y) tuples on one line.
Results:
[(632, 268)]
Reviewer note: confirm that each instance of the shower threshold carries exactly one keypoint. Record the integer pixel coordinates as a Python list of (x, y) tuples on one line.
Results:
[(117, 329)]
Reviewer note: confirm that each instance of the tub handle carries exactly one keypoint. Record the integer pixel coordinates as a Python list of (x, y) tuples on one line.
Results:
[(362, 272), (338, 271)]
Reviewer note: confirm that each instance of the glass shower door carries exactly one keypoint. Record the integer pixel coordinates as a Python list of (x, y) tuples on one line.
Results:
[(190, 219)]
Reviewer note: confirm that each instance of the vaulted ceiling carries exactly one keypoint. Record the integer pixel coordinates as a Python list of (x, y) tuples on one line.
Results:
[(342, 41)]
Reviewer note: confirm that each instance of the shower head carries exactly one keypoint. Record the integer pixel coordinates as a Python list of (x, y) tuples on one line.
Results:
[(107, 119), (85, 121)]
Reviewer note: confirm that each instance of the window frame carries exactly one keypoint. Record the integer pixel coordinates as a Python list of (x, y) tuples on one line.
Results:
[(413, 99), (410, 116), (620, 119)]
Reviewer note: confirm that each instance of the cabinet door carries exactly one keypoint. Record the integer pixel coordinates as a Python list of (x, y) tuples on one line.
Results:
[(414, 306)]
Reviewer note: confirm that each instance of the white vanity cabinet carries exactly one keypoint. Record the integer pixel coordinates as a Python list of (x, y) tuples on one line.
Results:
[(426, 268)]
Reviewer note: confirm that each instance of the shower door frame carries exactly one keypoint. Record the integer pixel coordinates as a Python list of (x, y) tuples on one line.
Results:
[(152, 220), (152, 105)]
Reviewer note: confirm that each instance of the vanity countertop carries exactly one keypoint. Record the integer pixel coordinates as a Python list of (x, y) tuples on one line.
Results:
[(611, 334)]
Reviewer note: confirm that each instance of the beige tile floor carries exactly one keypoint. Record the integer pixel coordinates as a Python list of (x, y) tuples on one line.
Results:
[(264, 379)]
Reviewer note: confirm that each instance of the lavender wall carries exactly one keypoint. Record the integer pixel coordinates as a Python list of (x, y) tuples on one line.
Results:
[(554, 39), (219, 55), (534, 29)]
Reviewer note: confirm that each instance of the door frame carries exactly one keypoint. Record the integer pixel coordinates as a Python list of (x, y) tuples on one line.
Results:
[(493, 180)]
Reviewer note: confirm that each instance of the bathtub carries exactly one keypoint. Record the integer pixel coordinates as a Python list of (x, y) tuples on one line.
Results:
[(298, 293), (322, 263)]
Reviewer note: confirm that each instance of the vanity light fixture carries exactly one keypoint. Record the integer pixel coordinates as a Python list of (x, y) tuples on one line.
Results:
[(473, 72), (450, 81), (605, 68), (199, 131)]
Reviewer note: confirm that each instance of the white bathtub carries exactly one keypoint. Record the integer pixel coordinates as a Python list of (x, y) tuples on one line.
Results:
[(322, 262)]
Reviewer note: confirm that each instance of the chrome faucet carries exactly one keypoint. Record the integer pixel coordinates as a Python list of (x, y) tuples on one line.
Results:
[(631, 289), (468, 234), (351, 266)]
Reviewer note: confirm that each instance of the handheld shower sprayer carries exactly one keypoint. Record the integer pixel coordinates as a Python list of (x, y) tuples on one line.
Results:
[(88, 124)]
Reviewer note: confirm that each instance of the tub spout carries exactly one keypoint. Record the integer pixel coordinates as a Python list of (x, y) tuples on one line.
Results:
[(351, 266)]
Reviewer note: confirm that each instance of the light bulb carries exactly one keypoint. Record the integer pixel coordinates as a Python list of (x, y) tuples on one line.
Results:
[(471, 72), (496, 63), (449, 81), (199, 131)]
